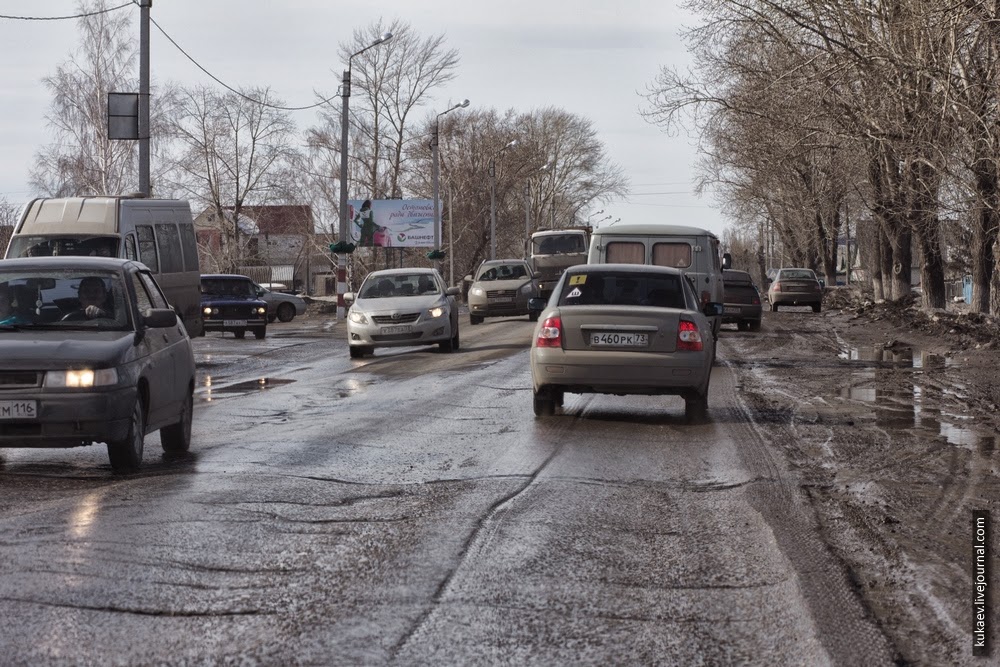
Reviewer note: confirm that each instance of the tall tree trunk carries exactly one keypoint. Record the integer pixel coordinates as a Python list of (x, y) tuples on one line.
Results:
[(883, 260), (931, 266), (902, 261), (995, 283), (984, 234)]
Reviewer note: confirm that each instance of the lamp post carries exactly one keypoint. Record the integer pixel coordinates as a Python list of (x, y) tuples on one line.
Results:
[(592, 215), (527, 208), (493, 197), (436, 170), (598, 223), (345, 94)]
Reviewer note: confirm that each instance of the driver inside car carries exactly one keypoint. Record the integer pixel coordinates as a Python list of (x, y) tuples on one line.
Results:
[(93, 297)]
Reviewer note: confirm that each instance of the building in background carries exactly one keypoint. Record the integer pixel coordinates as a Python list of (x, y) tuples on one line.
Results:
[(271, 244)]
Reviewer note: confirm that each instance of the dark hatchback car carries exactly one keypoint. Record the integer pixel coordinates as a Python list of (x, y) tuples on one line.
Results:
[(90, 351), (232, 302), (742, 305)]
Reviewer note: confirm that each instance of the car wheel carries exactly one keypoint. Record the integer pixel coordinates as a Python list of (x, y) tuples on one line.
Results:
[(475, 319), (755, 325), (286, 312), (543, 403), (743, 325), (447, 345), (356, 351), (260, 332), (817, 307), (696, 408), (774, 307), (270, 319), (533, 316), (177, 437), (240, 333), (455, 341), (126, 455), (202, 333), (558, 397)]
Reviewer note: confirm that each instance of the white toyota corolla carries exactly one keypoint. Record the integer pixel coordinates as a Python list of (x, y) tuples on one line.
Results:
[(402, 307)]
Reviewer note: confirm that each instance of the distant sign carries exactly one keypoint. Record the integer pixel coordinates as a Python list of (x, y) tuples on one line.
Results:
[(391, 223)]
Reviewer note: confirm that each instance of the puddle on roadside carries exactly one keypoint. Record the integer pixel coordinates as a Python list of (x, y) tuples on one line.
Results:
[(902, 402), (251, 385)]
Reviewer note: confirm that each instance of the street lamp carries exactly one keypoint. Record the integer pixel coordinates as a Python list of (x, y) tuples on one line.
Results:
[(436, 170), (527, 208), (345, 94), (493, 197), (592, 215), (607, 217)]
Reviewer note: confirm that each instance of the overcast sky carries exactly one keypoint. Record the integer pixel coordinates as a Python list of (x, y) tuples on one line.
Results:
[(590, 57)]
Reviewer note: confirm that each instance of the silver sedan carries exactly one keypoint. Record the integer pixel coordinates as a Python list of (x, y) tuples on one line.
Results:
[(623, 329), (402, 307)]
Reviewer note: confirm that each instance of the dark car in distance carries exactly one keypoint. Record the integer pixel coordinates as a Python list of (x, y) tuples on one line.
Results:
[(231, 302), (90, 351), (795, 287), (741, 301)]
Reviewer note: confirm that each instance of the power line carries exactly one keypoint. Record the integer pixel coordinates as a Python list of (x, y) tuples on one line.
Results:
[(230, 88), (65, 18)]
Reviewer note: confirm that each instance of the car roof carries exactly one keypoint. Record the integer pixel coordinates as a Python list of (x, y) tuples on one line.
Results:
[(227, 276), (733, 274), (71, 262), (652, 229), (494, 262), (624, 268), (401, 272)]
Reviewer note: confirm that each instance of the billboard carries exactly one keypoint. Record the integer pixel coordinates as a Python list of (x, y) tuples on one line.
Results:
[(391, 223)]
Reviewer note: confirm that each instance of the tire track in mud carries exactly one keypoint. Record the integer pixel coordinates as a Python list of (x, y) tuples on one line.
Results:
[(847, 627)]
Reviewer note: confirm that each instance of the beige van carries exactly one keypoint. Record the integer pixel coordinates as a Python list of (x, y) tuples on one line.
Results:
[(157, 232), (693, 250)]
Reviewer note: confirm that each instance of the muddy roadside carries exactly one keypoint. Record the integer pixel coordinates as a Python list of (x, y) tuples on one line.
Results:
[(893, 416)]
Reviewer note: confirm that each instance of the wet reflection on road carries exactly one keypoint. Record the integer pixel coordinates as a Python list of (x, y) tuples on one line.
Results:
[(928, 401)]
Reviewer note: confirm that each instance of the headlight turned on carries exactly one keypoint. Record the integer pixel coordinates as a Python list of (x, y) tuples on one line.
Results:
[(82, 378), (436, 312), (477, 291), (358, 318), (261, 311), (210, 311)]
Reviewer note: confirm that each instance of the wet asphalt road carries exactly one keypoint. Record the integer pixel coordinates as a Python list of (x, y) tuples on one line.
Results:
[(408, 508)]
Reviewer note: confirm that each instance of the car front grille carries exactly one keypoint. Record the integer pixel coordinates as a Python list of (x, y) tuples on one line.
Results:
[(19, 379), (401, 318), (501, 293)]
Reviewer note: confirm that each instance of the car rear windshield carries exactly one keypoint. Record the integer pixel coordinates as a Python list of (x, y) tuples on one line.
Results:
[(400, 284), (796, 274), (736, 277), (227, 287), (631, 289)]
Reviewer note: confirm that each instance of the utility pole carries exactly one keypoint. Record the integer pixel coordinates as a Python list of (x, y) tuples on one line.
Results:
[(144, 186)]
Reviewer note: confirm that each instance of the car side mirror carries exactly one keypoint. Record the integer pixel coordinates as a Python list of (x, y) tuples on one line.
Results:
[(537, 304), (348, 298), (713, 309), (261, 291), (727, 260), (468, 278), (452, 291), (159, 318)]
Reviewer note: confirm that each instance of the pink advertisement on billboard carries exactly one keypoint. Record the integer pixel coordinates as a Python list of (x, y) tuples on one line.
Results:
[(391, 223)]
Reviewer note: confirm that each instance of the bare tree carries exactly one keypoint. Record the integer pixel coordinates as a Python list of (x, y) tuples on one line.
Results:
[(82, 160), (236, 149)]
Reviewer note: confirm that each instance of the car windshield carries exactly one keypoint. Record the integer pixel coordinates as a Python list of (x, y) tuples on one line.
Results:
[(228, 287), (79, 298), (503, 272), (400, 284), (46, 246), (796, 274), (627, 289), (558, 244), (736, 277)]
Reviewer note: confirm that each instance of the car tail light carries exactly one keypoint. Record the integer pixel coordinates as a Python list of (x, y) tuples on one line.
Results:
[(755, 300), (688, 337), (776, 287), (705, 297), (551, 333)]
